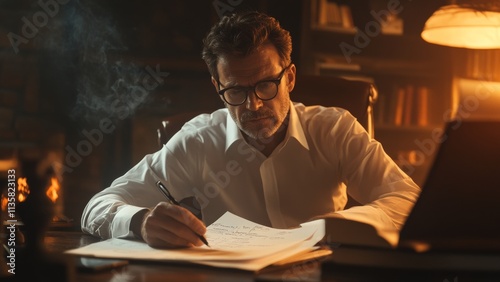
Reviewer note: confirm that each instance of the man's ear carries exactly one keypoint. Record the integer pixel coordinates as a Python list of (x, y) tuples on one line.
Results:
[(216, 85), (290, 75), (214, 82)]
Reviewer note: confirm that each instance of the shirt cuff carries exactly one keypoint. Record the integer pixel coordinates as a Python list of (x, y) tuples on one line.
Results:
[(369, 214), (120, 227)]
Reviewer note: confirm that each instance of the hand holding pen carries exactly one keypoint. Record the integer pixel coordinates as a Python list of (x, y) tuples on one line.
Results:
[(168, 225), (172, 200)]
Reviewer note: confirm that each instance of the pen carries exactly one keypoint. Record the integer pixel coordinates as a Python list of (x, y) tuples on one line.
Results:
[(172, 200)]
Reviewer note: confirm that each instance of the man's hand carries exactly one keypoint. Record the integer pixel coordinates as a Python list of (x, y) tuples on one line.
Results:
[(171, 226)]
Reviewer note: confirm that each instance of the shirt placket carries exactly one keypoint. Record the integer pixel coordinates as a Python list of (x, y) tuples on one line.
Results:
[(271, 193)]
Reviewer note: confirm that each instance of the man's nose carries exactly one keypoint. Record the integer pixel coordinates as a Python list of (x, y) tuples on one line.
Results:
[(253, 102)]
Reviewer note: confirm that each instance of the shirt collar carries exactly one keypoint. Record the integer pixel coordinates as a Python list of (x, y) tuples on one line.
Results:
[(294, 130), (233, 132)]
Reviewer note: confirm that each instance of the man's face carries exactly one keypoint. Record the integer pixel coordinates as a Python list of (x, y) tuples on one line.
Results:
[(257, 119)]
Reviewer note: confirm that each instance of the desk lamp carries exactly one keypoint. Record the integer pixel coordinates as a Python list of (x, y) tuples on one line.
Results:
[(472, 24)]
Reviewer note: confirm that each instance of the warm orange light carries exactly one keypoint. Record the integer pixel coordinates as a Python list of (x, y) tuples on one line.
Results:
[(53, 190), (476, 99), (463, 27), (23, 189), (4, 203)]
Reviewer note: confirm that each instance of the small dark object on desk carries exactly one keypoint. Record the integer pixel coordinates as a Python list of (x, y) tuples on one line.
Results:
[(86, 264)]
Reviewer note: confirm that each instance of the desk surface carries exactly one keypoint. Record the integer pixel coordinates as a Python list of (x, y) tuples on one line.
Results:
[(56, 242)]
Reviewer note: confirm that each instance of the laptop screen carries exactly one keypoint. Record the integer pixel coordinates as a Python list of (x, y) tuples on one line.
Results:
[(459, 206)]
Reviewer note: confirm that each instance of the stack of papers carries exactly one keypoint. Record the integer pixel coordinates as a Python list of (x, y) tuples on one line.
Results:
[(234, 243)]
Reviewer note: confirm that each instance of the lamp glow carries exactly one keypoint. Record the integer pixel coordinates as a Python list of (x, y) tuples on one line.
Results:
[(463, 27)]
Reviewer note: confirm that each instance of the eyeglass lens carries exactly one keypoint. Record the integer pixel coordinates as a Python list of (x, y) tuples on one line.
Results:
[(264, 90)]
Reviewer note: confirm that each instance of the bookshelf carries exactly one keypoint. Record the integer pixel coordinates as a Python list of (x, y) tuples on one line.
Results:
[(380, 42)]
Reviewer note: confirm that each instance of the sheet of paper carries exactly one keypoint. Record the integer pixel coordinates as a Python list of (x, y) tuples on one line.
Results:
[(233, 241), (237, 235), (302, 251)]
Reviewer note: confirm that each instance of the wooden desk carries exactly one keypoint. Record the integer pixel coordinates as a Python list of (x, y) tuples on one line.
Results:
[(57, 242)]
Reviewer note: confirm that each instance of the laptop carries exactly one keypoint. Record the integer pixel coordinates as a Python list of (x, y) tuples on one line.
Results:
[(459, 206), (455, 223)]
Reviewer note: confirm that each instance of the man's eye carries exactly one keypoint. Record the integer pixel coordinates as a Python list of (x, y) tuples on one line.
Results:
[(235, 91), (266, 85)]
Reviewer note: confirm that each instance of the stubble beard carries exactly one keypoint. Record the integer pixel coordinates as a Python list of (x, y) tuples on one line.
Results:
[(264, 134)]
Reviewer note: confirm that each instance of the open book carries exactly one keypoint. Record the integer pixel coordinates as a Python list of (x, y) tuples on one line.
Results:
[(234, 243), (360, 231)]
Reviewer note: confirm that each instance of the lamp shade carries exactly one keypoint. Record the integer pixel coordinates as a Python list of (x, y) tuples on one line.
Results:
[(463, 27)]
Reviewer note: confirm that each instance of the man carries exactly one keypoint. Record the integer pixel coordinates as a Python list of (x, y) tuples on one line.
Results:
[(263, 157)]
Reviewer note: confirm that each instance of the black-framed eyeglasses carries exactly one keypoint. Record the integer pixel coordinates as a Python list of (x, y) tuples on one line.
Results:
[(265, 90)]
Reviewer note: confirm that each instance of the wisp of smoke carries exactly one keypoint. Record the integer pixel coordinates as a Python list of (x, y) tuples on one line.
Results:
[(105, 84)]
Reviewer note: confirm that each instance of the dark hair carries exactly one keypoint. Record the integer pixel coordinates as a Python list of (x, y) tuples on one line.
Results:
[(241, 34)]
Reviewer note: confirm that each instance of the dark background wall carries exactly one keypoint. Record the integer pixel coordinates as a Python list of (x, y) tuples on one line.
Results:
[(84, 84)]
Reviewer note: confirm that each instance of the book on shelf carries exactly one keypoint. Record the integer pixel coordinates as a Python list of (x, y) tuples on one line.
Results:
[(397, 106), (392, 25), (422, 106), (346, 16), (338, 67), (329, 13), (407, 105), (332, 16)]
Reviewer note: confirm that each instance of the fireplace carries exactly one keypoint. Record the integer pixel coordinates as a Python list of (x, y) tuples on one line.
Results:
[(31, 151), (27, 179)]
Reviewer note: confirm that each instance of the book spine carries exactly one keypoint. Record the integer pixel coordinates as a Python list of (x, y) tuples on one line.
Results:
[(346, 15), (423, 106)]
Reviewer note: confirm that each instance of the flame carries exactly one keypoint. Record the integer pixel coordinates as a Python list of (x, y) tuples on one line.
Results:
[(52, 191), (4, 203), (23, 189)]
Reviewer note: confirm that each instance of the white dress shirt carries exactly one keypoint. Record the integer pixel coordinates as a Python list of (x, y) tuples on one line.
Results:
[(325, 154)]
